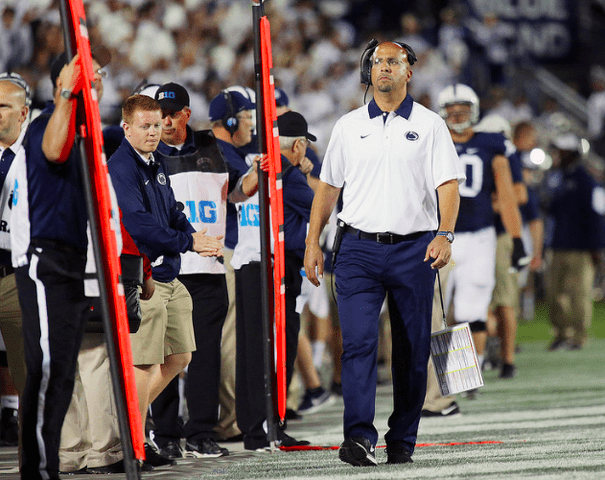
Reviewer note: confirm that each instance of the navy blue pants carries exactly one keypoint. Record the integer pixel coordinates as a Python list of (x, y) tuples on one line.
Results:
[(365, 272), (250, 397), (53, 305)]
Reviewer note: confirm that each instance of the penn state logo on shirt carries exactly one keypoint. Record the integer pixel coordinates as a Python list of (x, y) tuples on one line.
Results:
[(412, 136), (161, 179)]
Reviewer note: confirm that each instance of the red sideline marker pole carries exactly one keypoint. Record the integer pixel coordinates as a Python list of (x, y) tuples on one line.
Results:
[(276, 203), (267, 307), (99, 206)]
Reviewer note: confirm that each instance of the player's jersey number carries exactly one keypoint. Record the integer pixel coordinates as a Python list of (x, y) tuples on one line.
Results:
[(473, 167)]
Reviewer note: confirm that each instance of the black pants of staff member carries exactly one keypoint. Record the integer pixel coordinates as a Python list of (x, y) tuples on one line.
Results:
[(210, 303), (51, 295), (249, 377)]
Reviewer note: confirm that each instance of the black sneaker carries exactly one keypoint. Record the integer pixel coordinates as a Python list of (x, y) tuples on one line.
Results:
[(508, 371), (314, 400), (171, 449), (117, 467), (336, 388), (205, 448), (450, 411), (9, 432), (285, 440), (397, 453), (558, 344), (153, 458), (292, 415), (81, 471), (358, 451)]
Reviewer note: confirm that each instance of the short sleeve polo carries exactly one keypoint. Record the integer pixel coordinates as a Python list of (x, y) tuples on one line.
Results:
[(389, 168)]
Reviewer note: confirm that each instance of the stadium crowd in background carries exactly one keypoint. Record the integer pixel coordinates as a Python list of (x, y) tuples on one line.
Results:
[(206, 46)]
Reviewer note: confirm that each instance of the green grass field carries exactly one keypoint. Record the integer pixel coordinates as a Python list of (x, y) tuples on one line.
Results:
[(548, 422), (539, 329)]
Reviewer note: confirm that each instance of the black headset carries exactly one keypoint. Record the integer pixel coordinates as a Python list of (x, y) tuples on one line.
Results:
[(19, 81), (143, 85), (230, 120), (365, 63)]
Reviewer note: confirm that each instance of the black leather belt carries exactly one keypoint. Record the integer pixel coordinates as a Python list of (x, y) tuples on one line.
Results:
[(6, 270), (386, 238)]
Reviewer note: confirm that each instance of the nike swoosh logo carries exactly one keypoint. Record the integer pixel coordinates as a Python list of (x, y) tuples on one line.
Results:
[(364, 136), (146, 182)]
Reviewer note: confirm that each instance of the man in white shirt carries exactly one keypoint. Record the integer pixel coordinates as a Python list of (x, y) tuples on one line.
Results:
[(389, 158), (14, 101)]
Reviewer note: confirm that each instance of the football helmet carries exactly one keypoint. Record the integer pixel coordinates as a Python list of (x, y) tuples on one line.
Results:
[(459, 94)]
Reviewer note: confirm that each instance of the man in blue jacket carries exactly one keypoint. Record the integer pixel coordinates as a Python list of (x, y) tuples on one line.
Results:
[(162, 347)]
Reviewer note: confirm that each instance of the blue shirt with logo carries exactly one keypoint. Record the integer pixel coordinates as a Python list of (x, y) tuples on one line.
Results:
[(149, 210)]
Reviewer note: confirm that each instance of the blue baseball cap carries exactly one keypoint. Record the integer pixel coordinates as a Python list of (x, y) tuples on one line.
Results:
[(219, 106), (281, 99)]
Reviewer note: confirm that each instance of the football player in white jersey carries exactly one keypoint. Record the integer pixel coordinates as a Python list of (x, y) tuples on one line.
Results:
[(472, 279)]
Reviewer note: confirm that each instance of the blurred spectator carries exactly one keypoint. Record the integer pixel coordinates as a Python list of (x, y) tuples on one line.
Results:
[(16, 40), (513, 111), (452, 44), (412, 35), (492, 34), (596, 108), (577, 209)]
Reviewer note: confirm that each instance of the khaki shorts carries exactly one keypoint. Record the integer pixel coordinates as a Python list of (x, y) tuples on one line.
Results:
[(506, 291), (166, 325), (12, 331)]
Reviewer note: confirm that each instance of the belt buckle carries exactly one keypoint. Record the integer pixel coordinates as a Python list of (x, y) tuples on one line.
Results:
[(386, 238)]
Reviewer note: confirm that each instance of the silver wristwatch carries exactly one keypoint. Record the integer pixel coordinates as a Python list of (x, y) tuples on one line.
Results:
[(448, 235)]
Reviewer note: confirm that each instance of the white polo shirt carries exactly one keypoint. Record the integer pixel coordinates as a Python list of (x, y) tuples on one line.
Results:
[(390, 169)]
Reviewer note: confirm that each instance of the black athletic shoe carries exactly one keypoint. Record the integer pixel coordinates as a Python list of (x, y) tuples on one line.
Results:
[(397, 453), (508, 371), (81, 471), (292, 414), (153, 458), (9, 433), (358, 451), (558, 344), (117, 467), (171, 449), (450, 411), (205, 448), (336, 388), (285, 440)]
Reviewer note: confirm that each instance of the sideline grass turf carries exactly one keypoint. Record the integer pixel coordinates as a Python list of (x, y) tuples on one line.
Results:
[(550, 420)]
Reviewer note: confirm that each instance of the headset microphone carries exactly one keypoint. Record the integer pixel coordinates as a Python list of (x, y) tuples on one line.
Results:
[(365, 63)]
